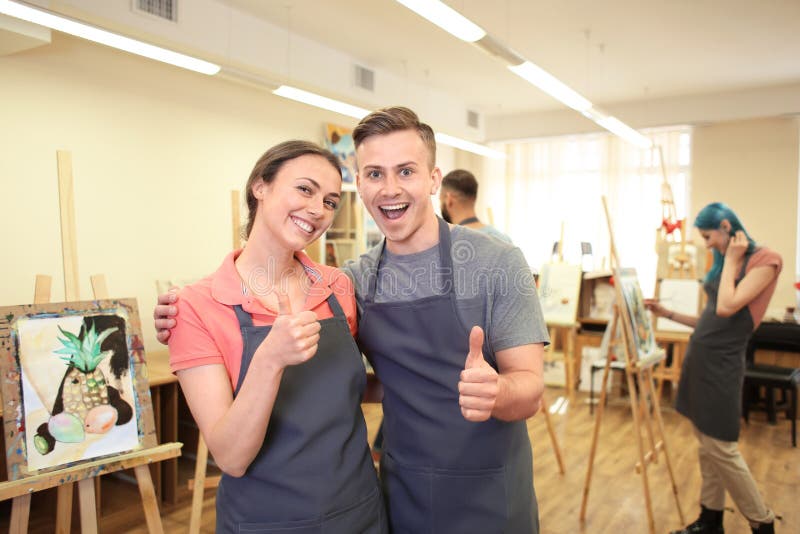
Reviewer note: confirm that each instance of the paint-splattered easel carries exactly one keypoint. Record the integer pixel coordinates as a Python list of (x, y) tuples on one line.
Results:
[(637, 371), (86, 475)]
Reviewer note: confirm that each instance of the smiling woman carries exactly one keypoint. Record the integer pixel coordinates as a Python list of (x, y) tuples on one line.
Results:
[(264, 352)]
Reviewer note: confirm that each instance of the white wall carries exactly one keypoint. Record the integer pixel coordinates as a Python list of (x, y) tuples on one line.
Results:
[(156, 151)]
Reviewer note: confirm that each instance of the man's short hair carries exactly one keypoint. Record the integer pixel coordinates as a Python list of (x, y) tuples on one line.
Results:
[(461, 181), (395, 119)]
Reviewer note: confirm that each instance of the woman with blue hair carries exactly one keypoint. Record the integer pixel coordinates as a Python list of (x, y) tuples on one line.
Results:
[(738, 286)]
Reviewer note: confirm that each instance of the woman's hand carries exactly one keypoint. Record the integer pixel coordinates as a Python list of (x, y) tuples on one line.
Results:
[(737, 246), (654, 306), (293, 338)]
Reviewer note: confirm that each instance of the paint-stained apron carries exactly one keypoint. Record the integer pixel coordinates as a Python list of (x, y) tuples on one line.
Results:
[(314, 472), (441, 473), (712, 375)]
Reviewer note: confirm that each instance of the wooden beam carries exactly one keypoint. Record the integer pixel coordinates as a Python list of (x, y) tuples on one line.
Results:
[(69, 245)]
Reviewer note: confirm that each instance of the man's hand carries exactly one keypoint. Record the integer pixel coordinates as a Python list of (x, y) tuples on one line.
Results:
[(293, 338), (164, 314), (479, 384)]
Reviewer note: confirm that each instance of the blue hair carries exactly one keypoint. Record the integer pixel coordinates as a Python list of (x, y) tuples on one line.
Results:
[(710, 218)]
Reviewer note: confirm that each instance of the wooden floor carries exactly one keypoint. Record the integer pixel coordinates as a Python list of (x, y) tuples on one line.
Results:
[(616, 503)]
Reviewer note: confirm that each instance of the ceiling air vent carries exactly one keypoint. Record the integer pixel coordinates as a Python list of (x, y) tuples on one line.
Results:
[(164, 9), (365, 78), (473, 119)]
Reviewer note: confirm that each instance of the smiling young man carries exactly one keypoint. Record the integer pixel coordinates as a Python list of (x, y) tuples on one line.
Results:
[(451, 324)]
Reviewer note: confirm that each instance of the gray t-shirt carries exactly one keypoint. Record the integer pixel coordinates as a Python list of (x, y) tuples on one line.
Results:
[(493, 284), (494, 232)]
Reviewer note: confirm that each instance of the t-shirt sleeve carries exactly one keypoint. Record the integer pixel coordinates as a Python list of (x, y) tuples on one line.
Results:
[(190, 342), (765, 257), (516, 315)]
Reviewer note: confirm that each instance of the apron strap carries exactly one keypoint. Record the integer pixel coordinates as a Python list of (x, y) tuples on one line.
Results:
[(336, 308), (445, 260), (244, 318)]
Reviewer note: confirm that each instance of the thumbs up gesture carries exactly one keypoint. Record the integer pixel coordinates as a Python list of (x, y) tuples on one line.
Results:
[(479, 383), (293, 338)]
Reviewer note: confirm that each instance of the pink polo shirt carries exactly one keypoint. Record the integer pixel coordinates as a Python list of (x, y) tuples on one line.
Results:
[(207, 331)]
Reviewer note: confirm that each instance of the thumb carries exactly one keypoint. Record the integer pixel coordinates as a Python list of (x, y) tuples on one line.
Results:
[(475, 356), (284, 305)]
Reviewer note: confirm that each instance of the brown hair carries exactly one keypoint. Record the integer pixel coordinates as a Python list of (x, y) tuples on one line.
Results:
[(268, 165), (461, 181), (395, 119)]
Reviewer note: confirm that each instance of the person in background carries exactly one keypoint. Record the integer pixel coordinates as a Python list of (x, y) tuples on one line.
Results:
[(458, 195), (738, 287), (264, 352)]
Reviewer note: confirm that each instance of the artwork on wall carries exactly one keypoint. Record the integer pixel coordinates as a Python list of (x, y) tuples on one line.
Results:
[(638, 318), (559, 289), (74, 384), (339, 140)]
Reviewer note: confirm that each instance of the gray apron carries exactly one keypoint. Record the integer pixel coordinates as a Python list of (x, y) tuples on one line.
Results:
[(710, 389), (314, 472), (441, 473)]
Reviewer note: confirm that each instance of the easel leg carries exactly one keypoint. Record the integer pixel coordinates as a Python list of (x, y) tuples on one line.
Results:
[(645, 392), (88, 506), (551, 431), (64, 509), (148, 494), (199, 485), (20, 512), (660, 425), (595, 434), (637, 428)]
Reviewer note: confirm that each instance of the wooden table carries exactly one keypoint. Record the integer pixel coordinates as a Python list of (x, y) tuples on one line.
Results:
[(671, 372)]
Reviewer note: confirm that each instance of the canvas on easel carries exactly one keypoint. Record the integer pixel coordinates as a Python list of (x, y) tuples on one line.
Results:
[(681, 296), (559, 289), (75, 384)]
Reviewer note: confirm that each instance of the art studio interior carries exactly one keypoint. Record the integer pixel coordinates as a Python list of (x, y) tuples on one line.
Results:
[(632, 174)]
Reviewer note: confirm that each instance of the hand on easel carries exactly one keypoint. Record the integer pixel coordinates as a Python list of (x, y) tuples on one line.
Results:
[(293, 338), (479, 384)]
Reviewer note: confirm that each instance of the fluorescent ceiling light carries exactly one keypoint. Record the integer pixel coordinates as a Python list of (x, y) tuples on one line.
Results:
[(446, 18), (551, 85), (356, 112), (323, 102), (614, 125), (72, 27), (469, 146)]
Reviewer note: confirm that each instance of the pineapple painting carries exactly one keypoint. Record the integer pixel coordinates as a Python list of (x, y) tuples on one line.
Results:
[(85, 402)]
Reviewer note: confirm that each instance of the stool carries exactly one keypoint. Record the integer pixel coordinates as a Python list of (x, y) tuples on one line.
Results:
[(772, 378)]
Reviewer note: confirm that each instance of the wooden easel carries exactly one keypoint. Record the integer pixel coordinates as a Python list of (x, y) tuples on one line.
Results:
[(85, 475), (682, 266), (636, 372)]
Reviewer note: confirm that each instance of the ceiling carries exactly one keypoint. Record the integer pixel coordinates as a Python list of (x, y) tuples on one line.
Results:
[(611, 51)]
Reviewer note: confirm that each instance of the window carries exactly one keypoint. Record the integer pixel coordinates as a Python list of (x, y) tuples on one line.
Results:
[(552, 183)]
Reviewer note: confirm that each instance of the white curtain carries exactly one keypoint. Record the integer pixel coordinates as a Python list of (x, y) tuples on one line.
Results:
[(549, 182)]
